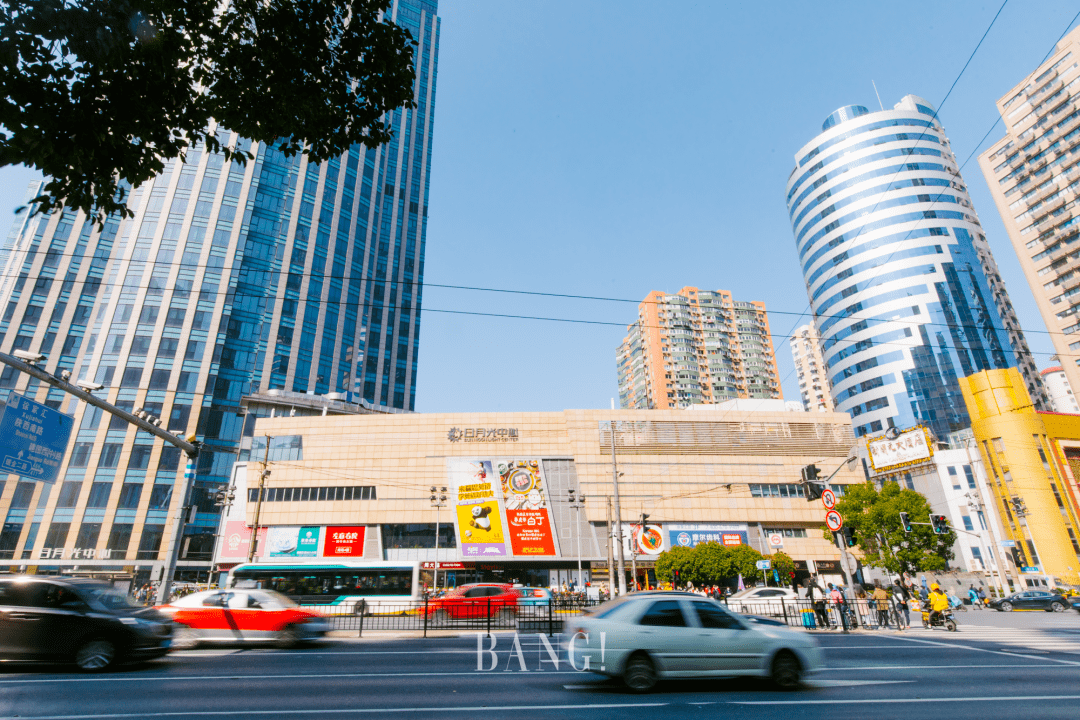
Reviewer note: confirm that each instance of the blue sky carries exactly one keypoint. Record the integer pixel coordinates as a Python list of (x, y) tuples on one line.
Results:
[(613, 148)]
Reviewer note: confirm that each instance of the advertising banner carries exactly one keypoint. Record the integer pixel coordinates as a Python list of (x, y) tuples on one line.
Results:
[(237, 541), (691, 534), (293, 541), (344, 541), (647, 540), (908, 448), (476, 495), (527, 514)]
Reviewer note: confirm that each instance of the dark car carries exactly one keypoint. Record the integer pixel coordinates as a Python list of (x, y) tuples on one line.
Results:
[(1031, 600), (49, 619)]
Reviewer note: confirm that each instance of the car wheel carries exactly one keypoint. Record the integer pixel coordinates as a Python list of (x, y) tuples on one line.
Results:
[(440, 618), (289, 637), (184, 638), (786, 670), (1056, 607), (1005, 607), (95, 655), (640, 673)]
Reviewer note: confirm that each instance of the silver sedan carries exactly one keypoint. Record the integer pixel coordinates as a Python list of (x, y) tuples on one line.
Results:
[(645, 637)]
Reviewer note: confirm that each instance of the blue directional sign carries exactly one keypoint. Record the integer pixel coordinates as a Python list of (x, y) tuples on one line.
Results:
[(33, 439)]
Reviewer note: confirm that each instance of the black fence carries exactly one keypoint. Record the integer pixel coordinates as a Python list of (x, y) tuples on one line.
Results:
[(482, 614), (863, 613)]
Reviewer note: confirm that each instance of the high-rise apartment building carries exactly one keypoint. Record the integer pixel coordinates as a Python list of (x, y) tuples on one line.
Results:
[(1062, 399), (810, 368), (1034, 176), (230, 280), (905, 292), (696, 347)]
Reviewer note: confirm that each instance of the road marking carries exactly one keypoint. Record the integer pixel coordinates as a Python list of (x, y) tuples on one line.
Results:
[(871, 701), (987, 650), (233, 677), (853, 683), (488, 709)]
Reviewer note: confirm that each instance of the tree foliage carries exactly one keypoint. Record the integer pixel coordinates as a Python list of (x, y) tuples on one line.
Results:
[(98, 94), (875, 517), (784, 566), (707, 563)]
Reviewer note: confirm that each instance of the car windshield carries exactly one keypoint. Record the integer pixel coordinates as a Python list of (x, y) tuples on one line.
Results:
[(109, 598)]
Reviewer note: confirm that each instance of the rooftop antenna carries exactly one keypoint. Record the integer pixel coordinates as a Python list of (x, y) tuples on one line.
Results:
[(878, 94)]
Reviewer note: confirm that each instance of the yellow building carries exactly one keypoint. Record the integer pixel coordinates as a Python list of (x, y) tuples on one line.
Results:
[(1034, 462)]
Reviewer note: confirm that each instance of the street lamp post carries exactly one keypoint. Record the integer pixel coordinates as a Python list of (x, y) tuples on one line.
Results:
[(577, 505), (438, 501)]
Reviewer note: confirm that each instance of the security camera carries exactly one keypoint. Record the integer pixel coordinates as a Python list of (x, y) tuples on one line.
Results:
[(89, 386), (65, 374), (29, 356)]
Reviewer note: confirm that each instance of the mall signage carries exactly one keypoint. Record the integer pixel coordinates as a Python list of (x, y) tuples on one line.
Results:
[(344, 541), (482, 435), (692, 534), (910, 447)]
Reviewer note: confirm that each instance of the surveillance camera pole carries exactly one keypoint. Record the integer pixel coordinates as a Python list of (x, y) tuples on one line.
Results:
[(618, 513), (190, 448)]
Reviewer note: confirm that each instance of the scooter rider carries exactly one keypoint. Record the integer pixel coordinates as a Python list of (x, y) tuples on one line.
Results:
[(939, 602)]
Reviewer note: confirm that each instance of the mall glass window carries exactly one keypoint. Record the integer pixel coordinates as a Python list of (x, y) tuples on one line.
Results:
[(24, 493), (129, 496), (119, 537), (88, 535), (69, 495), (150, 542), (9, 540), (80, 454), (169, 459), (99, 495), (110, 455), (56, 537), (140, 457), (417, 535)]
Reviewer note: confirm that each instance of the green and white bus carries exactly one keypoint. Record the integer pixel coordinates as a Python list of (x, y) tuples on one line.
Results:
[(335, 587)]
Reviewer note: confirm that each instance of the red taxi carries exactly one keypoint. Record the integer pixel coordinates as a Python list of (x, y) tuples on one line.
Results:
[(242, 616), (470, 602)]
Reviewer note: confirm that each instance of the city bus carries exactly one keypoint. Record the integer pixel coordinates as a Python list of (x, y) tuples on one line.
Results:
[(338, 587)]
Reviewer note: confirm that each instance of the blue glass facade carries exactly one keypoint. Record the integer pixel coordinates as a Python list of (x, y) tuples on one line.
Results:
[(905, 292), (230, 279)]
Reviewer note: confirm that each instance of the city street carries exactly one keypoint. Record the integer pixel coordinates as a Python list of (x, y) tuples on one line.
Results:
[(1028, 661)]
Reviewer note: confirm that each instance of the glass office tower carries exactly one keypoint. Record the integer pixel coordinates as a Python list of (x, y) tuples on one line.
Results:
[(229, 280), (905, 292)]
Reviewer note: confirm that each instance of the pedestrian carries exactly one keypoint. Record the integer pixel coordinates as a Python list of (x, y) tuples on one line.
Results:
[(899, 591), (881, 598), (973, 595), (816, 596)]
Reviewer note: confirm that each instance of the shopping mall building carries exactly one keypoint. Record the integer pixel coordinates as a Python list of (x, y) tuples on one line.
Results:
[(361, 486)]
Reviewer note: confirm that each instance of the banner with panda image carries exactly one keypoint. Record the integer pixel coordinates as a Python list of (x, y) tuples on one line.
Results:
[(477, 493)]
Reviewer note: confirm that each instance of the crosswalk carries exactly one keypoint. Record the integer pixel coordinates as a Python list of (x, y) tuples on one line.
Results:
[(1020, 639)]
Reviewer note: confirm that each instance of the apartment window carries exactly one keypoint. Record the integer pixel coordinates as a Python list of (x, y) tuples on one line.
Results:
[(955, 477)]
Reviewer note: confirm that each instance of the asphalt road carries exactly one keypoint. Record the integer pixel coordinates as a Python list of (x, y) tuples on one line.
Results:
[(1029, 668)]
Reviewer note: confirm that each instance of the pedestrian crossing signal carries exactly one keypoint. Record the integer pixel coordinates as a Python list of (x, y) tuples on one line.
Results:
[(849, 536)]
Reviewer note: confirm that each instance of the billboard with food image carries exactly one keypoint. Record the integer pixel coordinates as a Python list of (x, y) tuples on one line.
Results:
[(528, 517), (476, 495)]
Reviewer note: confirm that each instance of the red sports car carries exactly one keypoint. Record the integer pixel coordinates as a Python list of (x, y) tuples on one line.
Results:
[(470, 602), (242, 616)]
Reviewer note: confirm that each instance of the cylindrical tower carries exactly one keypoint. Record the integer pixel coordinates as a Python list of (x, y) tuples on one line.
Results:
[(903, 287)]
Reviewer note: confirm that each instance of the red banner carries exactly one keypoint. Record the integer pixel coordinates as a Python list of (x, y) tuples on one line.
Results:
[(344, 541), (237, 541), (732, 539), (530, 532)]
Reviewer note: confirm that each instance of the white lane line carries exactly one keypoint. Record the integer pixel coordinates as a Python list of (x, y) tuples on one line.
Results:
[(853, 683), (234, 677), (961, 646), (489, 709), (872, 701)]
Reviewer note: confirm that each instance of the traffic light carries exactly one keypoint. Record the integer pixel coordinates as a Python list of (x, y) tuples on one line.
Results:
[(904, 522), (810, 482), (849, 536), (940, 523)]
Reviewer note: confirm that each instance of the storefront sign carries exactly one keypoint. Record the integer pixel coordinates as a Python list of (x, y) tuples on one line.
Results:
[(344, 541), (293, 542), (691, 534), (909, 448), (477, 493), (237, 541), (648, 540), (827, 566), (447, 565), (482, 435), (527, 514), (75, 554)]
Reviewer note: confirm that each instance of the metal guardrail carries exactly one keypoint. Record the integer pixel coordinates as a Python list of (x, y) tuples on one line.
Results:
[(859, 613)]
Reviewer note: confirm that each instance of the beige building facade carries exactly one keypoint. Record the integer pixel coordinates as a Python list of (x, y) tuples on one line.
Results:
[(1034, 176), (810, 367), (729, 476)]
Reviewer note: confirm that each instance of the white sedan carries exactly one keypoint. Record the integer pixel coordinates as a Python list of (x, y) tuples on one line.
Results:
[(655, 635), (764, 601)]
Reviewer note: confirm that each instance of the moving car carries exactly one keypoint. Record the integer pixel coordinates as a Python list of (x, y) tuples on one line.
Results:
[(1076, 604), (52, 619), (763, 601), (655, 635), (242, 616), (1031, 600), (533, 596), (473, 601)]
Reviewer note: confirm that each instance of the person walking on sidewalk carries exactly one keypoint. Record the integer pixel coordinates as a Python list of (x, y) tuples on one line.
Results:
[(881, 598), (903, 597), (816, 596)]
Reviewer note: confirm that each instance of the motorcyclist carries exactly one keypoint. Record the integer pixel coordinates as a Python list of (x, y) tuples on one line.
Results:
[(939, 602)]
